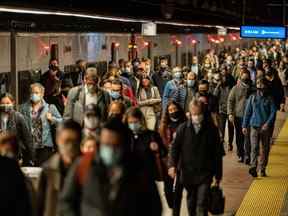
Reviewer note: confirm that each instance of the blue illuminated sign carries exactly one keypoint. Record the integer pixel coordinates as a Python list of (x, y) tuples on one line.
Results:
[(263, 32)]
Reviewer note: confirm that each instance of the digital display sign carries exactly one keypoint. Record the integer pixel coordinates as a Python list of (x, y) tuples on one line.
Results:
[(263, 32)]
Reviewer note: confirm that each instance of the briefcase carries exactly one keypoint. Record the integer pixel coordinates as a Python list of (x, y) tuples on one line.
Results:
[(216, 200)]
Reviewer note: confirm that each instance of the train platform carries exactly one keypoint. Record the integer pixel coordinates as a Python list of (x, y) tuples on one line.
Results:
[(246, 196)]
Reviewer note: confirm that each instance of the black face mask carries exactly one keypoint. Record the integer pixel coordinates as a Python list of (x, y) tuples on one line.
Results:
[(114, 115), (53, 67), (246, 81), (203, 93), (65, 93), (175, 116)]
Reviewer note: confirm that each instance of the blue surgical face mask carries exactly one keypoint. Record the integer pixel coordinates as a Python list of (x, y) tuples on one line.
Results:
[(115, 94), (35, 98), (109, 155), (191, 83), (135, 127), (178, 75)]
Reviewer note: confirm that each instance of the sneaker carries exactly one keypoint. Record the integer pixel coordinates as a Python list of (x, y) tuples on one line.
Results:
[(253, 172), (263, 173), (240, 160), (247, 161)]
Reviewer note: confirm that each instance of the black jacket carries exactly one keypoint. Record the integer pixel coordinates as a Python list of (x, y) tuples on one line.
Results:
[(200, 155), (277, 91), (14, 199), (144, 157)]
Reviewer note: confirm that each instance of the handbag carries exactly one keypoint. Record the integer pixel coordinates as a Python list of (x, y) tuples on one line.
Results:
[(216, 200)]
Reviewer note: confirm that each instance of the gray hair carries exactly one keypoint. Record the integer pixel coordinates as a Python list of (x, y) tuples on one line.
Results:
[(197, 103), (38, 85)]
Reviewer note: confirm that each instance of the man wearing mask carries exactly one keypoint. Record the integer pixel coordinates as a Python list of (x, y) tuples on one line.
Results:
[(161, 77), (221, 91), (251, 68), (195, 67), (197, 150), (51, 79), (175, 89), (229, 79), (14, 122), (116, 93), (40, 117), (259, 115), (235, 108), (92, 121), (110, 184), (192, 88), (55, 169), (81, 69), (210, 102), (81, 96)]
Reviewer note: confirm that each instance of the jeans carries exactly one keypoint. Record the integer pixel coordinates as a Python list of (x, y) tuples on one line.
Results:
[(256, 136), (239, 137), (197, 199)]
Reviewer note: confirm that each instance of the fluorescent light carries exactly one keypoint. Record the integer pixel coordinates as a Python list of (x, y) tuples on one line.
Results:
[(99, 17)]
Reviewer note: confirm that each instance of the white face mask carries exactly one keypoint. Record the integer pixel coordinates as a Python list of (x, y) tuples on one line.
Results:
[(91, 122), (197, 119)]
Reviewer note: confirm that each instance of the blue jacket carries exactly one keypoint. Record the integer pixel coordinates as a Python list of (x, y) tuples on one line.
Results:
[(174, 92), (259, 110), (26, 110)]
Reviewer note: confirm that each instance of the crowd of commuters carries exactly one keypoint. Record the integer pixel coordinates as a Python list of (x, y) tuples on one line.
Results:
[(104, 140)]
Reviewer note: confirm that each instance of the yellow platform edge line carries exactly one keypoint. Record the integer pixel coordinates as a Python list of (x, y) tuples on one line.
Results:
[(266, 196)]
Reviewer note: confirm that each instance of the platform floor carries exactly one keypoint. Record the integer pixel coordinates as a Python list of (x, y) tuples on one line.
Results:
[(236, 180)]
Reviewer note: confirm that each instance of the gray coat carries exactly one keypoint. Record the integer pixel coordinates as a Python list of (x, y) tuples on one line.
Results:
[(50, 185), (222, 93), (76, 104), (237, 99)]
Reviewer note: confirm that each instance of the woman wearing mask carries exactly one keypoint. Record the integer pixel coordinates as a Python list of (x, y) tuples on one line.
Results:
[(40, 118), (148, 100), (116, 110), (171, 119), (92, 121), (148, 149), (14, 122), (192, 87), (175, 89)]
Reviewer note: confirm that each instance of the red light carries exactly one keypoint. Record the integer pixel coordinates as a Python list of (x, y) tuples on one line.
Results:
[(217, 41), (193, 41), (212, 40), (222, 39), (46, 47)]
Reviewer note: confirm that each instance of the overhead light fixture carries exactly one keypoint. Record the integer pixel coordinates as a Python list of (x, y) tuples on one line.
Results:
[(100, 17)]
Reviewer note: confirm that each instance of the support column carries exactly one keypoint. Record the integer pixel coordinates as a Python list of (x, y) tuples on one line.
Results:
[(13, 76)]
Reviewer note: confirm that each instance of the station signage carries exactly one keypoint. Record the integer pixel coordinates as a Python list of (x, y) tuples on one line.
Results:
[(149, 29), (263, 32)]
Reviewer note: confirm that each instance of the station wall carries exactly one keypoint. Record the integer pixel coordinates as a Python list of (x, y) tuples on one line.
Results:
[(33, 49)]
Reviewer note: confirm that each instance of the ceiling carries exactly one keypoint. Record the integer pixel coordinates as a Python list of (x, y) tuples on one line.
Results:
[(208, 12)]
